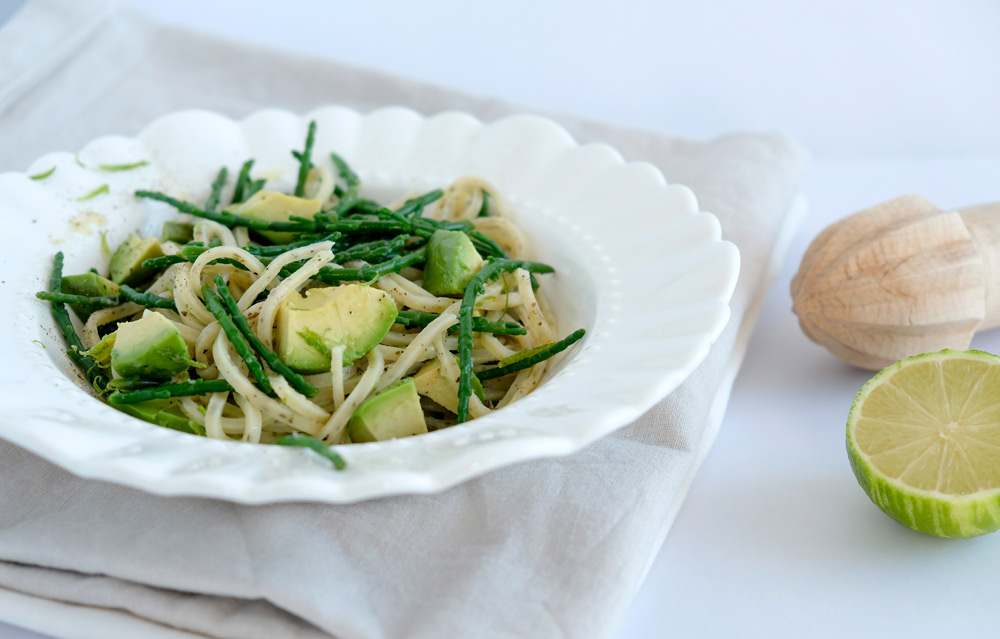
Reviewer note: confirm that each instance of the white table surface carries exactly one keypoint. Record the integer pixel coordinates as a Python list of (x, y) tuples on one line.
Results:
[(775, 539)]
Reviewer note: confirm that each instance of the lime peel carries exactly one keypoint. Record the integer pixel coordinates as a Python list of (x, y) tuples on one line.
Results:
[(958, 513)]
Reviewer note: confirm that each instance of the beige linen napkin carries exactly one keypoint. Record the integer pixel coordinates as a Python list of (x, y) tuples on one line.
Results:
[(550, 548)]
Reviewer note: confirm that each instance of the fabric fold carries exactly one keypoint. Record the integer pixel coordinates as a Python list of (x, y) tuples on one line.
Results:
[(547, 548)]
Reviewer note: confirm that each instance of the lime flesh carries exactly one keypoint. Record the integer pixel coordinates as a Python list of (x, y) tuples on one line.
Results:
[(923, 438)]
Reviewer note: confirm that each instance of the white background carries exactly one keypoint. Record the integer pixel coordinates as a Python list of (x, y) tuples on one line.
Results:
[(775, 538)]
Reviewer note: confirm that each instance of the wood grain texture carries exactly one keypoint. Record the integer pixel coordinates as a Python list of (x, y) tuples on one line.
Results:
[(900, 278)]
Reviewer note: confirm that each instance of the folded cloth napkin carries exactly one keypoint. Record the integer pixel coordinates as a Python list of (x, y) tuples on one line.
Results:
[(550, 548)]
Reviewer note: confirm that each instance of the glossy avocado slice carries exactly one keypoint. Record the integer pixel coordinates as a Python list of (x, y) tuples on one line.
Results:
[(432, 383), (276, 207), (126, 263), (89, 284), (354, 316), (180, 232), (392, 413), (150, 347), (452, 260)]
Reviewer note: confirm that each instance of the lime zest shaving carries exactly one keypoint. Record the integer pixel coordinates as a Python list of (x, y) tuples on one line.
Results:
[(123, 167), (98, 191)]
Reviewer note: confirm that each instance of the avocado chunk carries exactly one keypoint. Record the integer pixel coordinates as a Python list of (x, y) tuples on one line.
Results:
[(431, 382), (391, 413), (89, 284), (452, 260), (101, 351), (180, 232), (126, 263), (162, 413), (355, 316), (150, 347), (276, 207)]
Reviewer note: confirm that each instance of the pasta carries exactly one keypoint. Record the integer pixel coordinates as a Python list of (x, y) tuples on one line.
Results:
[(317, 314)]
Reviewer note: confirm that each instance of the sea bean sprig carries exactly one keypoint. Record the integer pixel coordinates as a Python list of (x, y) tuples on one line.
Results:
[(305, 160), (230, 220), (527, 359), (494, 267), (170, 389), (235, 337), (305, 441), (419, 319), (296, 381), (74, 350), (125, 294)]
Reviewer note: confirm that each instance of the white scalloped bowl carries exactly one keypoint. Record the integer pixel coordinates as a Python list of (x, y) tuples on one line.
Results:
[(637, 265)]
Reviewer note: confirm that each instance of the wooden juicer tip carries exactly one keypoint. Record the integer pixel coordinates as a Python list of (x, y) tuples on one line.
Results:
[(900, 278)]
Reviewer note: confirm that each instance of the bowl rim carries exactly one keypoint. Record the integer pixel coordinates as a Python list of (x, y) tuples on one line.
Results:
[(461, 453)]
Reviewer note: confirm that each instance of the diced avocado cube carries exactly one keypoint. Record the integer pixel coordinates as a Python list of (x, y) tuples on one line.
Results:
[(164, 413), (391, 413), (276, 207), (452, 260), (431, 382), (150, 347), (89, 284), (352, 315), (180, 232), (126, 263)]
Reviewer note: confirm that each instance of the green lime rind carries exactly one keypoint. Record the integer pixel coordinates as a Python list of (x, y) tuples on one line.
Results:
[(929, 512)]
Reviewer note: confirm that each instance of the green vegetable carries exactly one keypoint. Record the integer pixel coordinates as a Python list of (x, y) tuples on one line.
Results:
[(212, 203), (529, 358), (371, 251), (418, 319), (278, 249), (164, 391), (346, 174), (305, 441), (228, 219), (84, 301), (235, 337), (484, 209), (89, 285), (42, 176), (370, 272), (486, 246), (297, 382), (493, 268), (415, 205), (305, 160), (74, 351), (392, 413), (180, 232), (154, 263), (126, 265), (132, 382), (149, 300), (163, 413), (452, 260), (241, 182), (151, 346), (254, 187), (354, 316)]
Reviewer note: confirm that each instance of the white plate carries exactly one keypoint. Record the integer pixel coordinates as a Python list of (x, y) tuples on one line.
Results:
[(637, 265)]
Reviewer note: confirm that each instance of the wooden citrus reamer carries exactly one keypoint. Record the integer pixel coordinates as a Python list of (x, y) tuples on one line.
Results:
[(900, 278)]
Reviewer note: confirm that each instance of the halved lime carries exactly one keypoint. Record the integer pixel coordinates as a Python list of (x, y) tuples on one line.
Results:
[(923, 438)]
